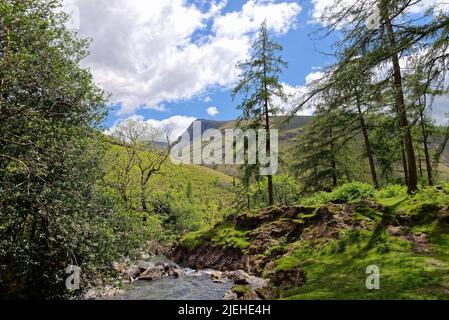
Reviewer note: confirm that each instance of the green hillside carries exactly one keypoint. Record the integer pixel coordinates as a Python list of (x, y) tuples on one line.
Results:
[(181, 197), (290, 132)]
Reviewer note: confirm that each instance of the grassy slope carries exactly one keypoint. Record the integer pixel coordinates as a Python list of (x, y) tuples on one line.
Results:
[(211, 192), (335, 268), (403, 274)]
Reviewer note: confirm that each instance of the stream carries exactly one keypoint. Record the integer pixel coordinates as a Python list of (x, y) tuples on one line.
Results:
[(192, 285)]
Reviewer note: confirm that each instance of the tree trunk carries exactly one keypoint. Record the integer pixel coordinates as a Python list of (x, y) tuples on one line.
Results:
[(268, 138), (404, 163), (426, 149), (143, 196), (333, 161), (442, 146), (369, 150), (412, 184), (419, 164)]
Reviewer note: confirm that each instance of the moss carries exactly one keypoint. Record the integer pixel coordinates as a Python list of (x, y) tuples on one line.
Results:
[(368, 215), (336, 268), (287, 263), (224, 235), (241, 289), (193, 240), (279, 247), (228, 236)]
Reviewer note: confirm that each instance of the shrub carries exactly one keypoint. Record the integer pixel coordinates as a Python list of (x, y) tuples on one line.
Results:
[(352, 191), (345, 193)]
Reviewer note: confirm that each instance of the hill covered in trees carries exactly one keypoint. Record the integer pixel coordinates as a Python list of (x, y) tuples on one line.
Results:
[(354, 165)]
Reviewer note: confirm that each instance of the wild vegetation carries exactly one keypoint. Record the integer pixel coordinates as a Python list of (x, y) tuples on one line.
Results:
[(362, 182)]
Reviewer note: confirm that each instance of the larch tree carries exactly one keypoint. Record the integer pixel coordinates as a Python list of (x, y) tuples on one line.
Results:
[(384, 46), (259, 84)]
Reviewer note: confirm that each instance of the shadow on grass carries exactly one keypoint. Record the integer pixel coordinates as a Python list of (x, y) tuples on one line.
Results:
[(382, 225)]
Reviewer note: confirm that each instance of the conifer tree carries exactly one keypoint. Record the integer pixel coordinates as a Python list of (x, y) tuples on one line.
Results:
[(259, 84)]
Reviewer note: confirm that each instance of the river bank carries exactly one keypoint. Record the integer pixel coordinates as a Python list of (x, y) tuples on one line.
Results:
[(159, 278)]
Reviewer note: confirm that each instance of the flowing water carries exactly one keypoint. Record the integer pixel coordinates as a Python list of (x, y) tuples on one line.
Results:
[(194, 285)]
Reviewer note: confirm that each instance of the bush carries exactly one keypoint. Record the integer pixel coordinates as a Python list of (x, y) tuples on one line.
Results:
[(352, 191), (345, 193)]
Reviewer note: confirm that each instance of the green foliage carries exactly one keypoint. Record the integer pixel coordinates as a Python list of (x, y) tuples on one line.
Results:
[(352, 191), (241, 289), (424, 205), (286, 191), (53, 209), (228, 236), (184, 197), (259, 85), (193, 239), (344, 193), (391, 191)]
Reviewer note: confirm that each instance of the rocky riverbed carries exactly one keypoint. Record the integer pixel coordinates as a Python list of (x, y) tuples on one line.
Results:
[(158, 278)]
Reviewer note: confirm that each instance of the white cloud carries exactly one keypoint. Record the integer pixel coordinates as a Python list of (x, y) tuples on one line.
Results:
[(323, 10), (421, 6), (147, 53), (176, 125), (280, 18), (314, 76), (294, 95), (212, 111)]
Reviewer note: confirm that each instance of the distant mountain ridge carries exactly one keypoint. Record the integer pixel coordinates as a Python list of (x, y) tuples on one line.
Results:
[(289, 129), (276, 122)]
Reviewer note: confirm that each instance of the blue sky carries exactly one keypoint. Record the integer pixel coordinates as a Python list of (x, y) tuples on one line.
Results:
[(168, 61), (172, 60), (300, 50)]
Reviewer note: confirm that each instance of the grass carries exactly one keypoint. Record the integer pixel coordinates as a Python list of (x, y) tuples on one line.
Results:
[(338, 270), (346, 193)]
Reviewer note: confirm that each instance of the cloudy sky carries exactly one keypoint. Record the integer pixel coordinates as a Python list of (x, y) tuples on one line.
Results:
[(171, 61)]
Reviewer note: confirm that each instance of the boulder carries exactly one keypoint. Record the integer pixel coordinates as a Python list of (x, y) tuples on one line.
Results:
[(144, 256), (177, 272), (152, 273), (169, 266), (217, 277), (267, 293), (133, 272), (230, 295), (241, 277)]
